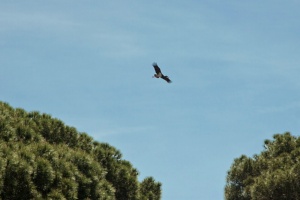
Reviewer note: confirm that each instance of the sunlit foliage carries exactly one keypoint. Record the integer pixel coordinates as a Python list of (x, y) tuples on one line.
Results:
[(42, 158), (273, 174)]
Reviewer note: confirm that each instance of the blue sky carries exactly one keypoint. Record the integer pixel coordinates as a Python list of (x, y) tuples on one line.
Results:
[(234, 66)]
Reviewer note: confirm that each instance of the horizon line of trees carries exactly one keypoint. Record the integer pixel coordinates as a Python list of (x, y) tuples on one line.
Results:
[(42, 158)]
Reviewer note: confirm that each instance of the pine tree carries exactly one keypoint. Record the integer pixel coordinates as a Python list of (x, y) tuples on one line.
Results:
[(42, 158), (273, 174)]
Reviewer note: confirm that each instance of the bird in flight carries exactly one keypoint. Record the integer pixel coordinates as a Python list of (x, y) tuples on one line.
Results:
[(159, 74)]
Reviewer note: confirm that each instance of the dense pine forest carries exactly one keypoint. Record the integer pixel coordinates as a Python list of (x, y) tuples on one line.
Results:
[(42, 158)]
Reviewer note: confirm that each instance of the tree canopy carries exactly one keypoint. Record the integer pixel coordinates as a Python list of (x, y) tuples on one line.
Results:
[(273, 174), (42, 158)]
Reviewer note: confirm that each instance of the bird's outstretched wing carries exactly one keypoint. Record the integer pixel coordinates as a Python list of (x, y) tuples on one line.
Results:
[(157, 69), (166, 78)]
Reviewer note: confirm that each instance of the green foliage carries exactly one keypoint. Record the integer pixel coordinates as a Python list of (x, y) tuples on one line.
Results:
[(149, 189), (274, 174), (41, 158)]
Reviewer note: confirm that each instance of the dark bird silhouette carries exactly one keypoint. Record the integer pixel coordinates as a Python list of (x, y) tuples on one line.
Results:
[(159, 74)]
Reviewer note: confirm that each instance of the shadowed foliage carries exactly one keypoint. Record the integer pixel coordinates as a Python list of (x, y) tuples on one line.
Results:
[(42, 158)]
